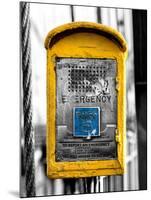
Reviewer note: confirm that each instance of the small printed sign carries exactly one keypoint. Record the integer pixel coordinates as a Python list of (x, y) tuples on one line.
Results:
[(86, 121)]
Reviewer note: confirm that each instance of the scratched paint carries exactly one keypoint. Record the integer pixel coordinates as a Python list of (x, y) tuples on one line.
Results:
[(85, 40)]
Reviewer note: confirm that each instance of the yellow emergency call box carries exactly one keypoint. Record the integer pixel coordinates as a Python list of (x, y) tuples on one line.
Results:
[(86, 100)]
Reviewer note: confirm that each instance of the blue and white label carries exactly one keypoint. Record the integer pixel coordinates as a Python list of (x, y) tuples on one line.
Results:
[(86, 121)]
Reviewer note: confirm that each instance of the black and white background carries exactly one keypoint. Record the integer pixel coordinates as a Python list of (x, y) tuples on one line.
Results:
[(10, 112)]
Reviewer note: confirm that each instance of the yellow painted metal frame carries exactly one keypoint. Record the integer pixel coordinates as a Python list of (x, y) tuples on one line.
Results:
[(85, 40)]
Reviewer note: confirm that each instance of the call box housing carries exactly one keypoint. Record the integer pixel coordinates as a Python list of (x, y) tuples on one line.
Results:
[(86, 95)]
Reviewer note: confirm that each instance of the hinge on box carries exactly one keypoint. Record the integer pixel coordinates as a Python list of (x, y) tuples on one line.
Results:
[(117, 84), (117, 136)]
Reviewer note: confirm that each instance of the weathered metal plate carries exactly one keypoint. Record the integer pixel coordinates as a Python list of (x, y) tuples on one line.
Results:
[(86, 83)]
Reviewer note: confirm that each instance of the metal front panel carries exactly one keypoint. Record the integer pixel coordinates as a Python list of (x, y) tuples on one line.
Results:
[(86, 83)]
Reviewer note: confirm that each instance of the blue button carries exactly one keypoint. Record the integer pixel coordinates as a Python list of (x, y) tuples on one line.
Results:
[(86, 121)]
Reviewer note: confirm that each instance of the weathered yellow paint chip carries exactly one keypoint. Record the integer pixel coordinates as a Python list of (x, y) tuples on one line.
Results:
[(103, 153)]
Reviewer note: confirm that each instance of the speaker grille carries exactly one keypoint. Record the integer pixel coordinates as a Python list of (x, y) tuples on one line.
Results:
[(81, 78)]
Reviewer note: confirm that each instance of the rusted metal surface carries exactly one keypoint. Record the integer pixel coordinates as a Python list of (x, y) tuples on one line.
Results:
[(86, 83)]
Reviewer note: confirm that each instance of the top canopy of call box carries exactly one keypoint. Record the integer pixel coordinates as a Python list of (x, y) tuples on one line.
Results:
[(74, 27)]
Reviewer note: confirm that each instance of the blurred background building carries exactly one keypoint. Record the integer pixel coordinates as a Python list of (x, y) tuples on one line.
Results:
[(133, 25)]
